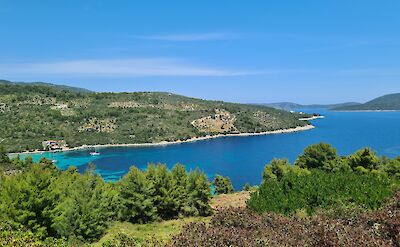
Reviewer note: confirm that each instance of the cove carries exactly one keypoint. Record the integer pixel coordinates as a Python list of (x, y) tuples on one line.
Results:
[(243, 158)]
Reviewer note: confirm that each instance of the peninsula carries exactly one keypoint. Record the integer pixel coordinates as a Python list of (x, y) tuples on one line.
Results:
[(37, 113)]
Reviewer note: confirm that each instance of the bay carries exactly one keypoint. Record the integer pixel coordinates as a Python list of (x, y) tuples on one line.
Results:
[(243, 158)]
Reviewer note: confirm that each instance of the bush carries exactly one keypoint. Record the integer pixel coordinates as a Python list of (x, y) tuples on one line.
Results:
[(320, 155), (159, 193), (242, 227), (320, 190), (48, 202), (364, 158), (223, 185), (278, 168)]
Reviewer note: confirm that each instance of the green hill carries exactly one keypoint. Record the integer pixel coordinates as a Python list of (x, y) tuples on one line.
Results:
[(386, 102), (32, 113)]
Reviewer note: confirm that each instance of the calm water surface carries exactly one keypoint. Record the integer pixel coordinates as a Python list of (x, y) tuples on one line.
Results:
[(243, 158)]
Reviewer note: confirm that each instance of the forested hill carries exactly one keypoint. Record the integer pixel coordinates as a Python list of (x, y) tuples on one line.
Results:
[(61, 87), (32, 113), (386, 102)]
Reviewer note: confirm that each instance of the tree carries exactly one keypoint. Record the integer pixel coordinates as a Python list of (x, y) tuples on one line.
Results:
[(222, 185), (83, 209), (317, 156), (180, 177), (199, 193), (137, 197), (392, 168), (165, 196), (277, 168), (24, 200), (365, 158), (247, 187), (4, 160)]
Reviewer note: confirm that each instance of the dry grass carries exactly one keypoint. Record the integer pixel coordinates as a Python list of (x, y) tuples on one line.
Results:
[(236, 200)]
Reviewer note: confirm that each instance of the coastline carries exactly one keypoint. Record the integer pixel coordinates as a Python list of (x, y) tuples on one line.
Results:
[(165, 143)]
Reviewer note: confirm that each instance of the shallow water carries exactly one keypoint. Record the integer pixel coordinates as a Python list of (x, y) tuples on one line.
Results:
[(243, 158)]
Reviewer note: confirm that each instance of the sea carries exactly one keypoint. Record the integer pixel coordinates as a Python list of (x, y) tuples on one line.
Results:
[(243, 158)]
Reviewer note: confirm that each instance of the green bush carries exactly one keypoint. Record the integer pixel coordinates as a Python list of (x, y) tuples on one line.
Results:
[(65, 204), (223, 185), (320, 189)]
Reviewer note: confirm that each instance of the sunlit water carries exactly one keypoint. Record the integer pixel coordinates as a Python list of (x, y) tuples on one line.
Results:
[(243, 158)]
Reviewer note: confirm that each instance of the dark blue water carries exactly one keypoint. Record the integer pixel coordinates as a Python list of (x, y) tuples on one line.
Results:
[(243, 158)]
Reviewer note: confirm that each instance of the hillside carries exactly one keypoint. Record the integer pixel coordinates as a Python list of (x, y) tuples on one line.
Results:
[(32, 113), (287, 106), (386, 102), (61, 87)]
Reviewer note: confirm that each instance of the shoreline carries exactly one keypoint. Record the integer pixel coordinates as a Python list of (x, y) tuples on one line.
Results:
[(165, 143)]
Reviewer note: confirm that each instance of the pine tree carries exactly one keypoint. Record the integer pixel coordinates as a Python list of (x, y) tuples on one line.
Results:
[(199, 193), (136, 195)]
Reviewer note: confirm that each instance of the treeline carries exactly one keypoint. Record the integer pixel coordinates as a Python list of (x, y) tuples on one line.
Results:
[(321, 179), (66, 205)]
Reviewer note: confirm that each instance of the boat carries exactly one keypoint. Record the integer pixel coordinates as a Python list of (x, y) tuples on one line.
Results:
[(54, 161), (94, 153)]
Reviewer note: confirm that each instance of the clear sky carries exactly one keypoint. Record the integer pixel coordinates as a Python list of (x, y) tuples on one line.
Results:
[(244, 51)]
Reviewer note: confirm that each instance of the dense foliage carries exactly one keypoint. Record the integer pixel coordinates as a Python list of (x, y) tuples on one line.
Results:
[(30, 114), (320, 179), (65, 204), (222, 185), (242, 227)]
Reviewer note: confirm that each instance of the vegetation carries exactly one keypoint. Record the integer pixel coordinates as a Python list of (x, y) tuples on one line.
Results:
[(30, 114), (222, 185), (128, 234), (320, 179), (386, 102), (322, 200), (243, 227), (50, 203)]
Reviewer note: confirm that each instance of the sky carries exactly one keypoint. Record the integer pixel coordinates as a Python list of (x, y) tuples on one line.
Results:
[(257, 51)]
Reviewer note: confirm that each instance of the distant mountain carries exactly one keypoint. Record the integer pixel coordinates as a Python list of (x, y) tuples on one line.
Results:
[(386, 102), (61, 87), (288, 106)]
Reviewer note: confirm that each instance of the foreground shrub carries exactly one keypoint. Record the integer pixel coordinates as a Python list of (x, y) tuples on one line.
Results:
[(320, 189), (223, 185), (242, 227), (48, 202)]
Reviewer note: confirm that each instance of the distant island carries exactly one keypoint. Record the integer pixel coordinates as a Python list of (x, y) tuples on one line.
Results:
[(289, 106), (43, 116), (389, 102)]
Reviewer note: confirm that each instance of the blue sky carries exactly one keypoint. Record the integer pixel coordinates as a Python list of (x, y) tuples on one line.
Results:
[(242, 51)]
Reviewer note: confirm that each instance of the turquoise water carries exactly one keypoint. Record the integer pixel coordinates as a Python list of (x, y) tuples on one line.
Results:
[(243, 158)]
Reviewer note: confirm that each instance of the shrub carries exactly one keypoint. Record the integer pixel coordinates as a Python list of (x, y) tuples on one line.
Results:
[(320, 190), (223, 185), (320, 155), (243, 227), (365, 158)]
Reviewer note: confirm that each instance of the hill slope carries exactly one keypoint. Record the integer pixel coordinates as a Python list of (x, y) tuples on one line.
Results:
[(32, 113), (386, 102), (61, 87), (287, 106)]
